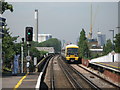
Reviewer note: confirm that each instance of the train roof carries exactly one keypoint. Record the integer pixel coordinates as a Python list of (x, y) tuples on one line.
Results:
[(71, 45)]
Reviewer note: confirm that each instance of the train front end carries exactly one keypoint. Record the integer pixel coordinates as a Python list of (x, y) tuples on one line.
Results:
[(71, 53)]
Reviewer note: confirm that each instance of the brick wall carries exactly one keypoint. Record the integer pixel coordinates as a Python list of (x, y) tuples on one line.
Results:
[(112, 76), (85, 62)]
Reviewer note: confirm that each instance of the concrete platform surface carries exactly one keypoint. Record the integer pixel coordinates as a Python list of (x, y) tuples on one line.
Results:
[(10, 81), (30, 81)]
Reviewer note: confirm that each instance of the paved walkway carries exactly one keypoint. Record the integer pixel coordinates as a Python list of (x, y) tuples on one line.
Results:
[(30, 81), (9, 81)]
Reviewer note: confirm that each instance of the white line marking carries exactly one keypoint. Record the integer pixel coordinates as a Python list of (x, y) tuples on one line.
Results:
[(38, 81)]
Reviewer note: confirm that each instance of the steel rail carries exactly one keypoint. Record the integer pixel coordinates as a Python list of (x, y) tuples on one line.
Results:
[(87, 80), (73, 82), (71, 79), (92, 85), (52, 80)]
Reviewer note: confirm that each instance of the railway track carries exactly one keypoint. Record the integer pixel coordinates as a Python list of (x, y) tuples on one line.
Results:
[(55, 78), (76, 78), (71, 79), (52, 80), (60, 75), (100, 78)]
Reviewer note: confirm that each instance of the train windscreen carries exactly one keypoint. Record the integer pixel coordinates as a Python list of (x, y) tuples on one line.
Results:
[(72, 51)]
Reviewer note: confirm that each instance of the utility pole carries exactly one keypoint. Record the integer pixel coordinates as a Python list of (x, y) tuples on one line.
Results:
[(22, 57)]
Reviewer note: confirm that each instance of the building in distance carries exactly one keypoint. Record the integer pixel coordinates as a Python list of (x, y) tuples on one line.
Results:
[(42, 37), (47, 49), (101, 38), (96, 45)]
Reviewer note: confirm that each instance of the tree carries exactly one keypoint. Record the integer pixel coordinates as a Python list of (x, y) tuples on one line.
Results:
[(83, 46), (82, 37), (117, 43), (8, 44), (5, 6), (8, 47), (108, 47), (33, 51), (53, 42)]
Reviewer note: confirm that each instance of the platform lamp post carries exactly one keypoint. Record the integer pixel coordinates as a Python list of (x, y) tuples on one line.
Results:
[(113, 44)]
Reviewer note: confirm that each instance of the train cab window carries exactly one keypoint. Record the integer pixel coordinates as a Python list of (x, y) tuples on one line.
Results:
[(72, 51)]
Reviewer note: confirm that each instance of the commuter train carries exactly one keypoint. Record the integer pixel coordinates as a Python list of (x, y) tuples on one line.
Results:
[(71, 53)]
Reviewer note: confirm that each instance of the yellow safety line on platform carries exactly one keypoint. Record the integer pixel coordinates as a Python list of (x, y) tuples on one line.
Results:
[(19, 83), (109, 65)]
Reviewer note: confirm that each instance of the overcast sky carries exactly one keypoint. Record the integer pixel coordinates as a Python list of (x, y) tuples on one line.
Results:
[(64, 20)]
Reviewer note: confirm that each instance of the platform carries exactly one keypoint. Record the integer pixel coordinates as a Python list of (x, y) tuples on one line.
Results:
[(114, 66), (30, 81), (20, 81), (9, 81)]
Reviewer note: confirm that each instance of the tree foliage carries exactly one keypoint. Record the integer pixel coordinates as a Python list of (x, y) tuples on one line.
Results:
[(117, 43), (108, 47), (82, 37), (52, 43), (83, 46), (5, 6), (9, 47), (33, 51)]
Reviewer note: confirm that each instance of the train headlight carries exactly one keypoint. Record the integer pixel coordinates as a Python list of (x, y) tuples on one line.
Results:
[(76, 58), (67, 58)]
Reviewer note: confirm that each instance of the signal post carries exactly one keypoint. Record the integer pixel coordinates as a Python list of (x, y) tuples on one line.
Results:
[(29, 37)]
